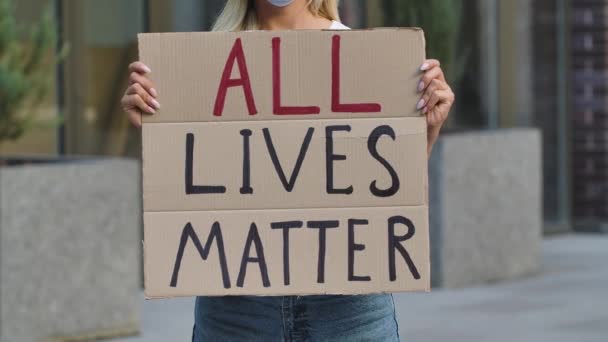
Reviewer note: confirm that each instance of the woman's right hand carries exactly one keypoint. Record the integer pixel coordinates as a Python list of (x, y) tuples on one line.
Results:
[(140, 96)]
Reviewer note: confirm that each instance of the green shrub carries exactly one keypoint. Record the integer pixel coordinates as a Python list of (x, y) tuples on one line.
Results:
[(441, 21), (27, 69)]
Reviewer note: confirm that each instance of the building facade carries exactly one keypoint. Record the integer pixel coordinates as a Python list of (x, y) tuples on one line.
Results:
[(513, 63)]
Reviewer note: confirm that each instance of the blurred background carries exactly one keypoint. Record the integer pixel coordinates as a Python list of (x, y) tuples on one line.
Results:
[(521, 169)]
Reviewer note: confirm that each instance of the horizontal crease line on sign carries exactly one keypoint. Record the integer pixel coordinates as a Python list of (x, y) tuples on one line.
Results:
[(283, 32), (169, 295), (291, 119), (417, 206), (365, 137)]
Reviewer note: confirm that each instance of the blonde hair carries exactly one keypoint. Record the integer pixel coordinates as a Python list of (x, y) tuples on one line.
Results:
[(240, 15)]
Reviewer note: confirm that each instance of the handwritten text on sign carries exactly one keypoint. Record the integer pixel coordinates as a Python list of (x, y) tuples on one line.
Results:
[(332, 200)]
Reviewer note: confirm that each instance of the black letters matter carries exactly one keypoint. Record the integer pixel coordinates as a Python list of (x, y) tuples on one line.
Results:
[(254, 241)]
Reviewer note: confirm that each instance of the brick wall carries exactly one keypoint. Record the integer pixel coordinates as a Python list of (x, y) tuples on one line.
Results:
[(589, 110)]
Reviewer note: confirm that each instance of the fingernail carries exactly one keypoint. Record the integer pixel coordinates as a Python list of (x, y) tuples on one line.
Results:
[(420, 104), (146, 69), (424, 66), (421, 86), (153, 92), (155, 104), (151, 110), (426, 109)]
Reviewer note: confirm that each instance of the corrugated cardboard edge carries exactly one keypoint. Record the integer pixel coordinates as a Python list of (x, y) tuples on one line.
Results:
[(143, 249), (141, 36), (297, 293), (428, 288)]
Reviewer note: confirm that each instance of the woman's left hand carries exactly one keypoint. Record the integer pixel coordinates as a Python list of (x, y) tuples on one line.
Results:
[(437, 98)]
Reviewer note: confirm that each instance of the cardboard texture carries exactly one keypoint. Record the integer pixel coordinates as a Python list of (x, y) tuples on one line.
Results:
[(285, 163), (379, 66), (218, 160), (196, 276)]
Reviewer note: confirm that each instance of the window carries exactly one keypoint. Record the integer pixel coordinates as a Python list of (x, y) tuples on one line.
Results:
[(102, 36)]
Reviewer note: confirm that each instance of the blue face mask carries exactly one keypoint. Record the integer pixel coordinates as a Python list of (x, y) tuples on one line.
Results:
[(280, 3)]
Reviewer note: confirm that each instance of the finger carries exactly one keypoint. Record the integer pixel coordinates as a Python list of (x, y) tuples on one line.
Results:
[(433, 100), (144, 81), (434, 118), (138, 89), (136, 102), (432, 87), (430, 117), (135, 118), (440, 112), (139, 67), (431, 74), (133, 112), (438, 83), (432, 135), (438, 96), (429, 63)]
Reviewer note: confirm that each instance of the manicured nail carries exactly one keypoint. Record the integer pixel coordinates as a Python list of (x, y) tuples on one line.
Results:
[(426, 109), (420, 104), (421, 86), (155, 104), (153, 92), (424, 66), (151, 110), (146, 69)]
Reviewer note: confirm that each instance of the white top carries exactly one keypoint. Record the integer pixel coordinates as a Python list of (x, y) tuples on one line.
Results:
[(336, 25)]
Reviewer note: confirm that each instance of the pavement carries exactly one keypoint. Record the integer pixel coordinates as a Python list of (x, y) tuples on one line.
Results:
[(566, 301)]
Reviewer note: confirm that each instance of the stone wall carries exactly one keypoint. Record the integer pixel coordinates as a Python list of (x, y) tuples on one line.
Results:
[(485, 206), (70, 250)]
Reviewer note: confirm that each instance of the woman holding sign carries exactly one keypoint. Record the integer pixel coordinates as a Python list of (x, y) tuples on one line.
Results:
[(294, 318)]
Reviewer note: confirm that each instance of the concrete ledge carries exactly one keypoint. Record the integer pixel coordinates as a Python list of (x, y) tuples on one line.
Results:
[(70, 249), (485, 206), (591, 226)]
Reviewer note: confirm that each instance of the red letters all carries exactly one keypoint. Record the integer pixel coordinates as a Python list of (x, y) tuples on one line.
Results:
[(235, 55)]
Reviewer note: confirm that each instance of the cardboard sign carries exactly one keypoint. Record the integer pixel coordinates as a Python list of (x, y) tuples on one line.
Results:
[(285, 163)]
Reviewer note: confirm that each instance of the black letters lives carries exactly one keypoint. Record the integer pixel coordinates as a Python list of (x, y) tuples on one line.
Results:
[(288, 183)]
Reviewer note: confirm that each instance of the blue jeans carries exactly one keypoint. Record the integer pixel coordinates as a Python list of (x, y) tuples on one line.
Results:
[(302, 318)]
